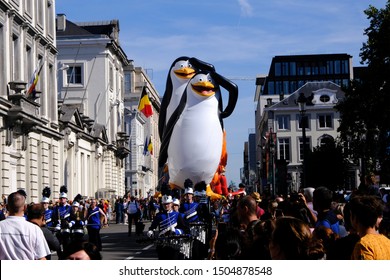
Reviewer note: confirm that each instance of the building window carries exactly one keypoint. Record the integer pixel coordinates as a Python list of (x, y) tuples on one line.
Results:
[(40, 13), (301, 147), (344, 67), (271, 88), (16, 58), (293, 86), (329, 66), (278, 69), (286, 85), (284, 148), (314, 69), (111, 77), (74, 75), (322, 67), (301, 69), (337, 67), (283, 122), (325, 121), (278, 87), (307, 69), (324, 98), (325, 140), (284, 68), (293, 70), (127, 83), (299, 122)]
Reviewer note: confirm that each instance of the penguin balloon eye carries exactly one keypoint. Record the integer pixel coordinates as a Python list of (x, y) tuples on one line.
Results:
[(189, 65)]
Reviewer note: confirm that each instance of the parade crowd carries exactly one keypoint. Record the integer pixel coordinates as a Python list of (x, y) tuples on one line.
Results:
[(312, 224)]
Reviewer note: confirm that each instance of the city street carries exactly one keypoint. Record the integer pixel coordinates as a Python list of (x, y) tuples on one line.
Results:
[(118, 246)]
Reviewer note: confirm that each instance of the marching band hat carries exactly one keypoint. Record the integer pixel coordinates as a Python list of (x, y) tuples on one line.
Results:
[(189, 191), (64, 192), (176, 202), (166, 199), (45, 195)]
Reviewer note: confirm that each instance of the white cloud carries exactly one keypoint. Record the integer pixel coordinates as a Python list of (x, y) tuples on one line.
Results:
[(246, 8)]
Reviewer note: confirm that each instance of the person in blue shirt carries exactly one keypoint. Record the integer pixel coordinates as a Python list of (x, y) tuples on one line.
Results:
[(93, 223), (167, 223), (322, 201), (189, 208)]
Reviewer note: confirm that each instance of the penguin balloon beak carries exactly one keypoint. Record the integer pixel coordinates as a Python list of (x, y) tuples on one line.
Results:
[(203, 88), (185, 73)]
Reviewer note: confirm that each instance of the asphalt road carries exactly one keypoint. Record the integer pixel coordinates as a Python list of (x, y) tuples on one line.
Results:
[(117, 245)]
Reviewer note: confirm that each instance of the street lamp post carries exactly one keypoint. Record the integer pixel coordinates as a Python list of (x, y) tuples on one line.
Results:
[(258, 164), (302, 110), (272, 154)]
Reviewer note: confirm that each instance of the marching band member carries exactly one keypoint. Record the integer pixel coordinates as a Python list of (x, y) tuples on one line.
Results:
[(62, 211), (94, 224), (45, 203), (189, 207), (168, 223)]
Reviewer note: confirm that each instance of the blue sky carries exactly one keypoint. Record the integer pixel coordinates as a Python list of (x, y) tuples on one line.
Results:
[(239, 37)]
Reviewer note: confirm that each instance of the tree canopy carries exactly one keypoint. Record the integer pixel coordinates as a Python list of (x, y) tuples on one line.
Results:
[(365, 111)]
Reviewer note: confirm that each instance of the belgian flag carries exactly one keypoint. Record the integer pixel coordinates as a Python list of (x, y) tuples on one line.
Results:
[(150, 146), (144, 105)]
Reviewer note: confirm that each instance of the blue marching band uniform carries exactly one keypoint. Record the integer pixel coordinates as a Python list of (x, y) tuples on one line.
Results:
[(184, 234)]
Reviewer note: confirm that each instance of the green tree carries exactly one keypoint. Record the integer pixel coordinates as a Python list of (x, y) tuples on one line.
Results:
[(365, 111)]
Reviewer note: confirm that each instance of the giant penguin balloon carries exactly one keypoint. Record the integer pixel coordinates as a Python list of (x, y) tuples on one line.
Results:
[(172, 104), (196, 140)]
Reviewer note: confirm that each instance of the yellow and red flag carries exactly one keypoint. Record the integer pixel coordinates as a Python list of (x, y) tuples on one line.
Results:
[(34, 79), (150, 146), (144, 105)]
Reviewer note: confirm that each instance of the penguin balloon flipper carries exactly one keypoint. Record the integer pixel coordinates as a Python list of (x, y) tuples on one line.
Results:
[(233, 93), (163, 111), (201, 65)]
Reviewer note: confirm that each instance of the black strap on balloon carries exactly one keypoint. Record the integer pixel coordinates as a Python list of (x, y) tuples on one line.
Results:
[(233, 93)]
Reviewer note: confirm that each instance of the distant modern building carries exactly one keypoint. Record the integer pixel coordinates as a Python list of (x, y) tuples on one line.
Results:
[(281, 131), (289, 72), (250, 172)]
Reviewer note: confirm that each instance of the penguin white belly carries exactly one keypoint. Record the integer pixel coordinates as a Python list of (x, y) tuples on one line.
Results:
[(195, 146)]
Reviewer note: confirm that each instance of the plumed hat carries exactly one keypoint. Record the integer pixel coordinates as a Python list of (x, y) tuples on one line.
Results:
[(63, 192), (76, 200), (166, 199), (200, 189), (46, 192)]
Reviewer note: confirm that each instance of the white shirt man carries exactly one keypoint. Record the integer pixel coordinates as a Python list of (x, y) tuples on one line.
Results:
[(19, 239)]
